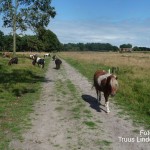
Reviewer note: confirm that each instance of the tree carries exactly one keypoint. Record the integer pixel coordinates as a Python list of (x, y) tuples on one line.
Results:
[(1, 40), (126, 46), (90, 47), (8, 41), (49, 40), (23, 14), (32, 43), (136, 48), (38, 14)]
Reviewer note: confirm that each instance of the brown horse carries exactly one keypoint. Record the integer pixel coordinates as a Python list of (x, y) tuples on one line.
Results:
[(6, 54), (58, 62), (13, 61), (106, 83)]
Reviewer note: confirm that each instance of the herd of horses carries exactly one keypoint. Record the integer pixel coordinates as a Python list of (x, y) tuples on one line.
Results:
[(35, 59), (41, 61), (103, 81)]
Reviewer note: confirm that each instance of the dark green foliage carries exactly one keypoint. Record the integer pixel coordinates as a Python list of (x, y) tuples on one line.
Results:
[(1, 39), (141, 48), (49, 40), (27, 14), (46, 41), (38, 14), (90, 47), (99, 47), (126, 46), (8, 43), (20, 14)]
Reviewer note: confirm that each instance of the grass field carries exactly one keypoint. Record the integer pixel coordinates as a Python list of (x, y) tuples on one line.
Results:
[(20, 87), (133, 76)]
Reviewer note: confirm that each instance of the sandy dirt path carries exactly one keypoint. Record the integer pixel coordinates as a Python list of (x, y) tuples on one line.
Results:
[(67, 117)]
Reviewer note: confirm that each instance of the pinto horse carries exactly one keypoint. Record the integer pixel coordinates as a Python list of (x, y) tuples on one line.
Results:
[(39, 61), (106, 83)]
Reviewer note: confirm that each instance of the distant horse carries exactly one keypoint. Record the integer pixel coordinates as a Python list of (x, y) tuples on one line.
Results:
[(39, 61), (54, 57), (13, 61), (6, 54), (47, 55), (106, 83), (58, 62), (33, 56)]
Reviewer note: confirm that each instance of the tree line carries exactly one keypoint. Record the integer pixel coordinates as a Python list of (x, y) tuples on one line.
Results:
[(89, 47), (100, 47), (36, 15), (136, 48), (46, 41)]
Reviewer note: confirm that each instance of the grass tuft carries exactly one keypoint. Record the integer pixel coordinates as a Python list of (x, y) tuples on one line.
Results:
[(90, 124)]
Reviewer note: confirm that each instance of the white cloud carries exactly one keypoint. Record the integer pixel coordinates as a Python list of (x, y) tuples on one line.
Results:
[(136, 32)]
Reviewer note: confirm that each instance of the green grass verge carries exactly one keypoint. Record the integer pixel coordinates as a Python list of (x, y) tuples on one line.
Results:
[(133, 95), (20, 87)]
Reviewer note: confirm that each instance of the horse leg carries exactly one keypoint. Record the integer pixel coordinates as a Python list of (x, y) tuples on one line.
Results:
[(97, 92), (99, 97), (106, 103), (107, 107)]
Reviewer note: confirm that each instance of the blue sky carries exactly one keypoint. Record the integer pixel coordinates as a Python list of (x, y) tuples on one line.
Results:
[(105, 21), (109, 21)]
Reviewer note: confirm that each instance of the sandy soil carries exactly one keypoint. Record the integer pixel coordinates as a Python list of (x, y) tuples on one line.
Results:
[(68, 118)]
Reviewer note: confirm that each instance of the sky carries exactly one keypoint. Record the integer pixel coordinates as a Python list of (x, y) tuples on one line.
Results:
[(105, 21)]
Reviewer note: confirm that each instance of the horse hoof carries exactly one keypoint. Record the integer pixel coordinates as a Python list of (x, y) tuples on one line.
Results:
[(108, 112)]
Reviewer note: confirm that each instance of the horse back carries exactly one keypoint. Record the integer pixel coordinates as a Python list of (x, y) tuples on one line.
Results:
[(99, 73), (101, 79)]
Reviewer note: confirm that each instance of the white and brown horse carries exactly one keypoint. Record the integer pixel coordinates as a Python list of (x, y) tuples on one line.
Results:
[(106, 83), (39, 61)]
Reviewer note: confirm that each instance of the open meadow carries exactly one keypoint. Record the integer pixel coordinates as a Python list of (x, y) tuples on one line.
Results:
[(57, 109), (20, 86), (133, 76)]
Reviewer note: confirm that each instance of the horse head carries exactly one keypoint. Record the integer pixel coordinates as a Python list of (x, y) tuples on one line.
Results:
[(113, 85)]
